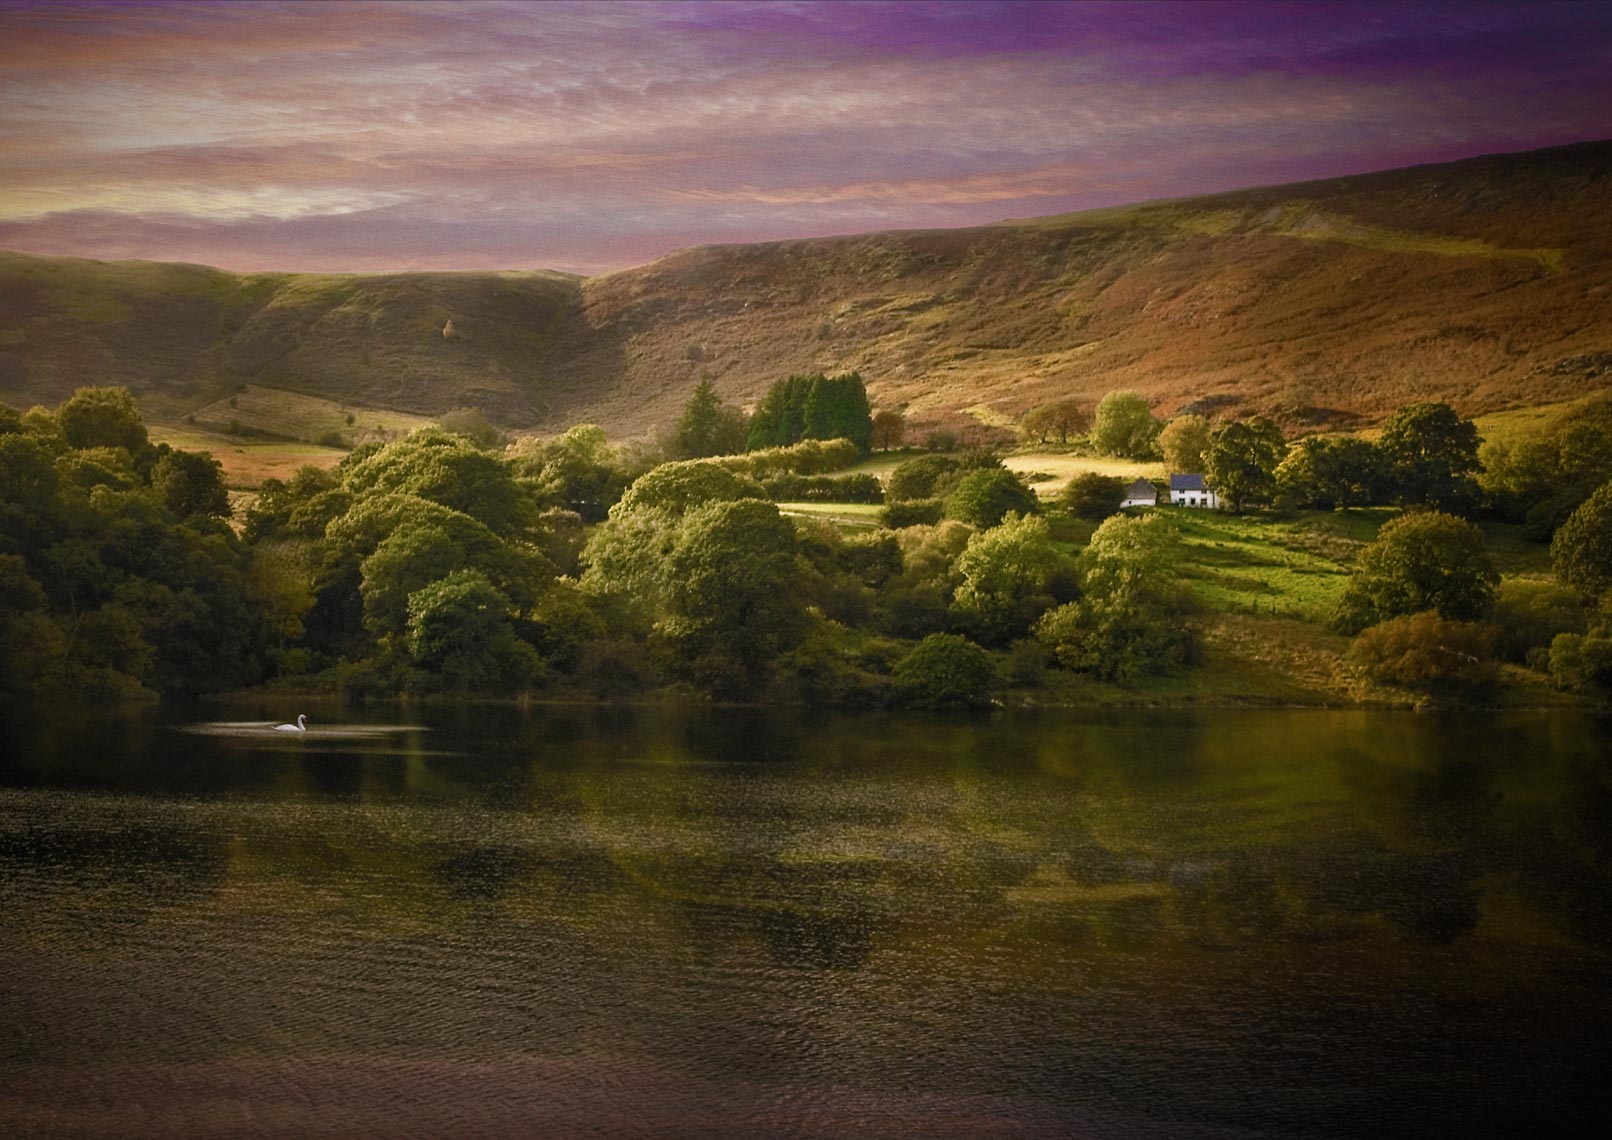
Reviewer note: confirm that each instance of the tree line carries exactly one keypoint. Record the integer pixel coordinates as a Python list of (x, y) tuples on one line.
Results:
[(444, 563)]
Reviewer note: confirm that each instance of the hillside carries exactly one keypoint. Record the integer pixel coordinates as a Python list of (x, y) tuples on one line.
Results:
[(1486, 282)]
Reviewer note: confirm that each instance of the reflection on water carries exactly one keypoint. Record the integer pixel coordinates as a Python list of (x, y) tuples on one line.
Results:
[(726, 923)]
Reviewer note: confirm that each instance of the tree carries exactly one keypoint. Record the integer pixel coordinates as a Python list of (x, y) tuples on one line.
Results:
[(732, 593), (837, 408), (708, 426), (813, 407), (889, 429), (102, 417), (1127, 623), (1061, 418), (1427, 653), (191, 483), (925, 477), (1423, 561), (1008, 577), (459, 627), (1431, 455), (1184, 441), (680, 487), (444, 468), (945, 671), (1581, 552), (578, 471), (985, 496), (1124, 426), (1325, 472), (1093, 496), (1241, 462)]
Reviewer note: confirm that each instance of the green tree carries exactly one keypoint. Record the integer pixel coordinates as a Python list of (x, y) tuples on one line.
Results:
[(191, 483), (813, 407), (985, 496), (1093, 496), (472, 423), (732, 594), (1431, 455), (680, 487), (925, 477), (1428, 560), (1009, 575), (1241, 462), (1581, 552), (443, 468), (1184, 441), (707, 425), (1128, 621), (837, 408), (1325, 472), (578, 471), (945, 671), (102, 417), (459, 628), (1124, 426)]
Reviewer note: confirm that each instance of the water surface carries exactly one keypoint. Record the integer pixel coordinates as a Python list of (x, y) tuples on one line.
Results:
[(484, 921)]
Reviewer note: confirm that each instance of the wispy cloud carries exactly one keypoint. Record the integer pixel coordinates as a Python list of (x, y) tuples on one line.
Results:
[(588, 136)]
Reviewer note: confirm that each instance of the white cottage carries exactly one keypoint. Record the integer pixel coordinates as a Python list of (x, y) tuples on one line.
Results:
[(1141, 493), (1189, 491)]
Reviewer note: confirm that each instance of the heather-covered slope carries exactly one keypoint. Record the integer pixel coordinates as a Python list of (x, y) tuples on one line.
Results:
[(1487, 283)]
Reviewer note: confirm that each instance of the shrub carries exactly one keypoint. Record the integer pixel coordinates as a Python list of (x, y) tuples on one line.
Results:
[(824, 488), (984, 497), (1582, 662), (1427, 653), (945, 671), (922, 478), (912, 512), (1581, 552), (1528, 615), (1092, 496), (1423, 561)]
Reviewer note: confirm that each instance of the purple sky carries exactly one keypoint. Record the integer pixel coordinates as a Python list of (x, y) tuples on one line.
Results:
[(589, 137)]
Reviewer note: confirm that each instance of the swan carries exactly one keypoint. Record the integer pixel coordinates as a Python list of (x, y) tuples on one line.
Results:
[(300, 726)]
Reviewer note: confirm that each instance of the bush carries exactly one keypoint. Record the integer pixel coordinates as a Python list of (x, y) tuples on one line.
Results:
[(1429, 654), (1529, 614), (984, 497), (922, 478), (823, 488), (1581, 552), (912, 512), (945, 671), (1582, 662), (1092, 496), (1422, 561)]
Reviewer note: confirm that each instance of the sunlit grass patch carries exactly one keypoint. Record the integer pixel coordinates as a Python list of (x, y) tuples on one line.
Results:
[(296, 415), (247, 462), (842, 514), (1256, 564)]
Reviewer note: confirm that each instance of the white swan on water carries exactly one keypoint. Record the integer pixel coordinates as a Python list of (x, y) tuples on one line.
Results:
[(300, 726)]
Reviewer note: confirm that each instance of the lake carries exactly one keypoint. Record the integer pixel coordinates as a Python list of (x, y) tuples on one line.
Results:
[(575, 922)]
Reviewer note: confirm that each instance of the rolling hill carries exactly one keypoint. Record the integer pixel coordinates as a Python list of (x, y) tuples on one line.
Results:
[(1487, 283)]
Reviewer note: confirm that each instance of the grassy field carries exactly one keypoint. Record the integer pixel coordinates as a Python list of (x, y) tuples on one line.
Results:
[(247, 462), (295, 415), (1058, 467), (856, 516)]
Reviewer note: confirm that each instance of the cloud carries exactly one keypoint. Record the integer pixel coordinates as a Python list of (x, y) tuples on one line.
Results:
[(592, 135)]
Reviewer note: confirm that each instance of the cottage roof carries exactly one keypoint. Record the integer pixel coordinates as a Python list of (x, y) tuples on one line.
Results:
[(1142, 488), (1186, 482)]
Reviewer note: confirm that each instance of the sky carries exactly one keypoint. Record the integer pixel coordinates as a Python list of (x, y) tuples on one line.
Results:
[(588, 137)]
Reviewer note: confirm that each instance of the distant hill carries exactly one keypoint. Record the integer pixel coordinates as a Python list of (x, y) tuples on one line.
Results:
[(1487, 283)]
